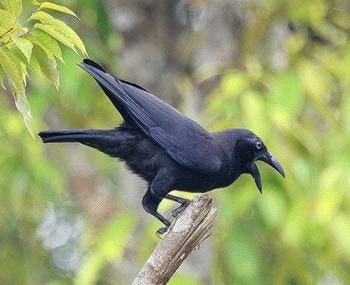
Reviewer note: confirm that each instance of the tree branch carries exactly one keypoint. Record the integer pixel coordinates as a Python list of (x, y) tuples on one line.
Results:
[(190, 228)]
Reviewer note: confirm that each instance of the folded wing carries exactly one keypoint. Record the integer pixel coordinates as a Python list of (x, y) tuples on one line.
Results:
[(183, 139)]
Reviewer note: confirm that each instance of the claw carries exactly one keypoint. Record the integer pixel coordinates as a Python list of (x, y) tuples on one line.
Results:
[(161, 231), (179, 209)]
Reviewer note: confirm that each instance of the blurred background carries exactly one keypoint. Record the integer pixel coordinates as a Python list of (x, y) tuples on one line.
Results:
[(69, 214)]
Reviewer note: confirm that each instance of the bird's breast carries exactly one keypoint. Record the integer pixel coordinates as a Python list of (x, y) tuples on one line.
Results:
[(198, 182)]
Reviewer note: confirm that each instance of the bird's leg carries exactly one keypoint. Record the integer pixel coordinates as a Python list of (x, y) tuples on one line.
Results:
[(184, 203), (159, 189), (150, 203)]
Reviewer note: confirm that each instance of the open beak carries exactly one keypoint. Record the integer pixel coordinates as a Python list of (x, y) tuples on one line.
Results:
[(269, 159)]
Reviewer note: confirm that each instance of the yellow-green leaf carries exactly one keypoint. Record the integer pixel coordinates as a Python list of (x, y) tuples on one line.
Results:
[(48, 67), (58, 35), (24, 46), (12, 68), (22, 105), (34, 64), (41, 16), (52, 6), (58, 30), (47, 43), (14, 7), (67, 32), (16, 52), (7, 21), (16, 74)]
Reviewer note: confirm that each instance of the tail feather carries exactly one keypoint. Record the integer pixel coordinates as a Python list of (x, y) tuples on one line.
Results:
[(72, 135), (114, 142)]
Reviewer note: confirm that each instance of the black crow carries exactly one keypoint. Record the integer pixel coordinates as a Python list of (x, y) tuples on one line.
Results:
[(165, 148)]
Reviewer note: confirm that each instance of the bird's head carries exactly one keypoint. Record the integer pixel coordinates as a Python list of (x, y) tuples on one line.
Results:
[(248, 149)]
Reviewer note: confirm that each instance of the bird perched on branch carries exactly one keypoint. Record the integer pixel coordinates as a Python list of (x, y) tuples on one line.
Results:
[(165, 148)]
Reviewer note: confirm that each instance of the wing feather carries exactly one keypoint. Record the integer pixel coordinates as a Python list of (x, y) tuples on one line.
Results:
[(183, 139)]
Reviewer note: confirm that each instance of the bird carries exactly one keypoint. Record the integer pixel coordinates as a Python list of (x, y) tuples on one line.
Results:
[(165, 148)]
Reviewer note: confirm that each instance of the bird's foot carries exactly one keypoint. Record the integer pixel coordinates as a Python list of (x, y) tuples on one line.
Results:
[(161, 231), (178, 210), (174, 213)]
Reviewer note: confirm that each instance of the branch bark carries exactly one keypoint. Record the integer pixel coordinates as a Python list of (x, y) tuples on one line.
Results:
[(190, 228)]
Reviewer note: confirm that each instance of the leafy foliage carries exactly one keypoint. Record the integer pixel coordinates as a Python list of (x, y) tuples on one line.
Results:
[(32, 44)]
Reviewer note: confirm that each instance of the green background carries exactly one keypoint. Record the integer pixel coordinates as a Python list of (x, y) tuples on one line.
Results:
[(69, 214)]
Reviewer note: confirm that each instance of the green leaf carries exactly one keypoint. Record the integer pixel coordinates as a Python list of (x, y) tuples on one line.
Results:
[(16, 52), (7, 21), (63, 33), (14, 7), (16, 73), (47, 43), (41, 16), (58, 30), (12, 68), (52, 6), (47, 66), (34, 64), (22, 105), (24, 46), (58, 35)]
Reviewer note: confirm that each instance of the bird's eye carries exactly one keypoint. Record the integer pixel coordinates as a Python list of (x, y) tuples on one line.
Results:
[(258, 145)]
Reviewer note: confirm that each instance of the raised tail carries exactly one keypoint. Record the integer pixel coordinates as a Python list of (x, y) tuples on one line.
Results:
[(114, 142)]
